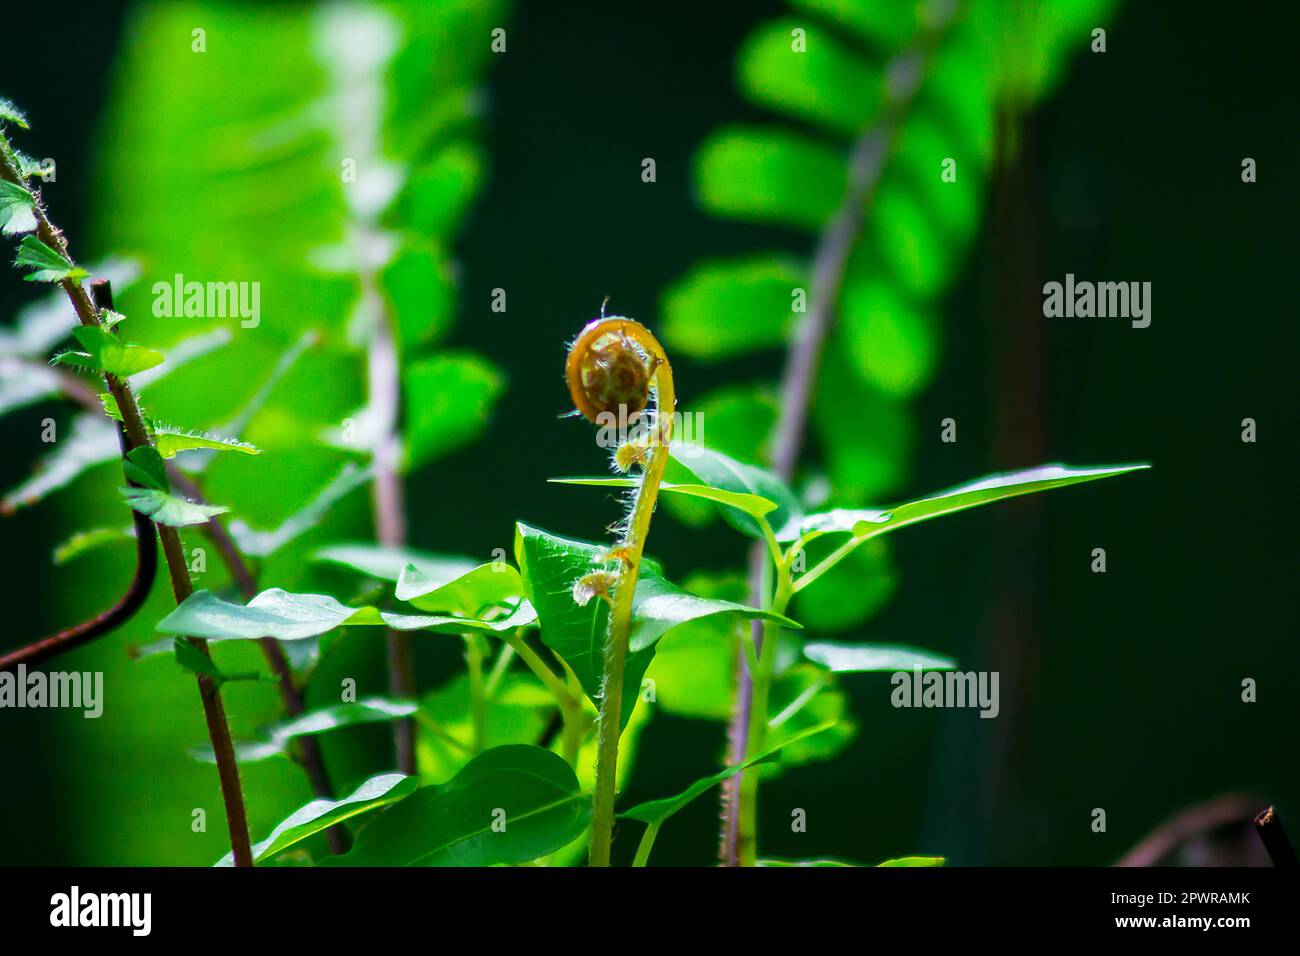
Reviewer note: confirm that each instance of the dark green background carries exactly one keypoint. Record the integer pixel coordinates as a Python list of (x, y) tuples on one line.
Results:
[(1120, 691)]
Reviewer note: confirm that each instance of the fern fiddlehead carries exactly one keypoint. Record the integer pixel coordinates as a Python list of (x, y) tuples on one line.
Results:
[(615, 367)]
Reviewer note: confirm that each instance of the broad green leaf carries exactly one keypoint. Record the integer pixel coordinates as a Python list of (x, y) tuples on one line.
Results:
[(105, 352), (914, 861), (17, 209), (287, 616), (262, 543), (466, 594), (891, 342), (551, 565), (886, 26), (857, 658), (419, 287), (273, 613), (447, 401), (825, 82), (379, 791), (753, 505), (724, 308), (657, 811), (46, 264), (86, 541), (532, 791), (517, 713), (720, 471), (169, 509), (770, 175), (388, 563), (170, 440)]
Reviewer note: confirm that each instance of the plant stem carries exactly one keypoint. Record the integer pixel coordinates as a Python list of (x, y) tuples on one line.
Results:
[(136, 437), (620, 615), (646, 845), (477, 692), (830, 260)]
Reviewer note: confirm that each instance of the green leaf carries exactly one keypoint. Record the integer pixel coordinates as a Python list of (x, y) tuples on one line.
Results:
[(853, 590), (508, 805), (720, 471), (420, 291), (379, 791), (262, 543), (170, 441), (273, 613), (729, 307), (551, 565), (145, 467), (368, 710), (194, 660), (655, 812), (388, 563), (891, 342), (770, 175), (11, 114), (105, 352), (753, 505), (816, 863), (47, 265), (17, 209), (448, 398), (466, 594), (169, 509), (287, 616), (85, 541), (859, 658), (984, 491)]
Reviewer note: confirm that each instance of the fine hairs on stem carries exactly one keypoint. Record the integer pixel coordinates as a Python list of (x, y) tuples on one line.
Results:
[(614, 368)]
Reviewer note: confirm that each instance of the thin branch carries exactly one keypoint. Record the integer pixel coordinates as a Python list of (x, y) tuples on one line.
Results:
[(1280, 851), (830, 260), (1205, 818), (136, 437)]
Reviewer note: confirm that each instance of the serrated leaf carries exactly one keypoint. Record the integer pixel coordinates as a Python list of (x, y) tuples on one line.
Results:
[(170, 441), (169, 509), (17, 209), (864, 658), (46, 264), (533, 791), (11, 114), (144, 467), (105, 352), (551, 565), (379, 791)]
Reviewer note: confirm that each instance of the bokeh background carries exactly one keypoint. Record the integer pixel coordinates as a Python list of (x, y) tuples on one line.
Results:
[(1119, 690)]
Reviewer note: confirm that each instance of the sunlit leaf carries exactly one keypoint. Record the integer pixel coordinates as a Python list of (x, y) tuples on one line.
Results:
[(447, 401), (860, 658), (17, 209), (729, 307), (46, 264), (105, 352), (388, 563), (465, 594), (166, 508)]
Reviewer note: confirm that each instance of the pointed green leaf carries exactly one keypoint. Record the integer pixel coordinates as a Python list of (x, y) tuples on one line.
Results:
[(47, 265), (532, 791), (170, 441), (388, 563), (724, 308), (466, 594), (753, 505), (914, 861), (273, 613), (144, 466), (169, 509), (105, 352), (11, 114), (379, 791), (720, 471), (84, 541), (17, 209)]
